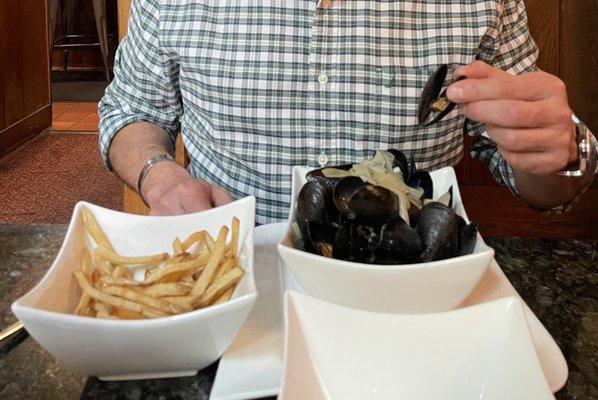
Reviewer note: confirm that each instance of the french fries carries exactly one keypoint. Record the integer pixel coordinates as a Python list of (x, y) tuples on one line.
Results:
[(115, 258), (84, 301), (217, 253), (234, 242), (169, 289), (177, 246), (218, 288), (200, 272), (198, 237), (92, 227), (113, 300)]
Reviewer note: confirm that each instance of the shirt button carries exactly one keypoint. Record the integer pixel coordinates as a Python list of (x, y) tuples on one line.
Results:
[(323, 79), (322, 159)]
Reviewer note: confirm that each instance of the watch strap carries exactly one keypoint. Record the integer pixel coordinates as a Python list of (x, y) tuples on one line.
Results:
[(585, 151)]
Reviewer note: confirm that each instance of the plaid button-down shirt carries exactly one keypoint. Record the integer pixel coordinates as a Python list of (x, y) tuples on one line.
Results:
[(256, 87)]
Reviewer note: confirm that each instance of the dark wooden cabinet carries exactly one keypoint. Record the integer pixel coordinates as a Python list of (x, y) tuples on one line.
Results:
[(25, 106)]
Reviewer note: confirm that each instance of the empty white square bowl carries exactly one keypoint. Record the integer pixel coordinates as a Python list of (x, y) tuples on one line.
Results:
[(481, 352), (407, 288), (176, 345)]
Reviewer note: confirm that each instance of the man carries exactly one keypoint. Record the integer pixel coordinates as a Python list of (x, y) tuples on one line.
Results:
[(256, 87)]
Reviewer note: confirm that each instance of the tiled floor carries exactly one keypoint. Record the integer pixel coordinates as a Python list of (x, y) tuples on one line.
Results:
[(75, 117)]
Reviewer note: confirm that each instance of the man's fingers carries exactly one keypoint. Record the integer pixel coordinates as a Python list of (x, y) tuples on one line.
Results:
[(167, 208), (199, 202), (477, 70), (193, 195), (531, 87), (190, 196), (219, 196), (519, 140), (511, 113), (540, 163)]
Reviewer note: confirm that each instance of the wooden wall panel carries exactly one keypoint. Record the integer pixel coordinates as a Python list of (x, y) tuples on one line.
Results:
[(579, 57), (24, 72), (34, 57), (12, 62), (27, 59), (543, 20), (40, 52), (2, 124), (498, 213)]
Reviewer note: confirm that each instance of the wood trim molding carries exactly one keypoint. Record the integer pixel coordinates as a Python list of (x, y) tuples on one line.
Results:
[(124, 6), (25, 129)]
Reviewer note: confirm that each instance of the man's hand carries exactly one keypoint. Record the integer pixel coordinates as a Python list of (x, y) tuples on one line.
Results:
[(528, 116), (170, 190)]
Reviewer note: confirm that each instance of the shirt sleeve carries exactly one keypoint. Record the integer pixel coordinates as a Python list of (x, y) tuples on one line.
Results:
[(145, 85), (513, 50)]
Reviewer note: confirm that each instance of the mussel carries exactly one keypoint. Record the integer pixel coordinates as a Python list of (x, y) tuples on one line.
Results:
[(357, 212), (351, 242), (467, 237), (420, 178), (364, 202), (433, 105), (444, 233), (400, 161), (320, 237), (312, 205), (320, 175), (397, 243)]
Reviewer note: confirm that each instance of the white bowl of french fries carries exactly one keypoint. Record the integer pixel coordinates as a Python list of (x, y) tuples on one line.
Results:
[(135, 297)]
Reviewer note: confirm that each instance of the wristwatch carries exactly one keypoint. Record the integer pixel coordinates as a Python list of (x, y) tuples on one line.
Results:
[(586, 151)]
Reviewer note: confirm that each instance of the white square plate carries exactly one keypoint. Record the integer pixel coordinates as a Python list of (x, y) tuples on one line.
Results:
[(482, 352)]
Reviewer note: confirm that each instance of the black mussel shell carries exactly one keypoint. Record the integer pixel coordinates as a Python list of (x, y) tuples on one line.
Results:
[(366, 203), (317, 175), (321, 238), (422, 180), (419, 178), (397, 243), (343, 240), (438, 228), (400, 160), (467, 237), (430, 93), (312, 205), (431, 98), (351, 243)]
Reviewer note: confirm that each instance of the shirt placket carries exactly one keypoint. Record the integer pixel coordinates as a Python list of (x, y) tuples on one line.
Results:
[(319, 86)]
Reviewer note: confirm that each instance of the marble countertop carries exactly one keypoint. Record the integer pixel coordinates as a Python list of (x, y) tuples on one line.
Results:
[(557, 278)]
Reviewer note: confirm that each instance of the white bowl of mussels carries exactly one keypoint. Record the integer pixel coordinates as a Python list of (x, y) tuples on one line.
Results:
[(381, 236)]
